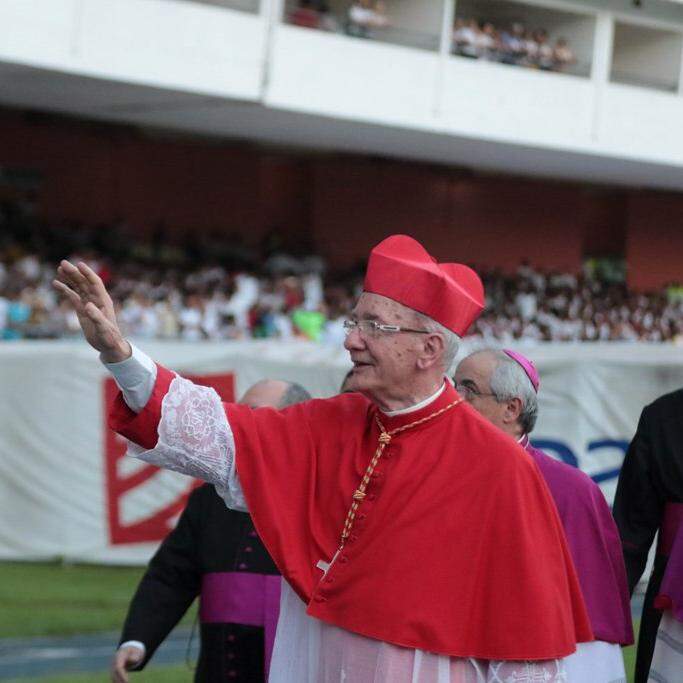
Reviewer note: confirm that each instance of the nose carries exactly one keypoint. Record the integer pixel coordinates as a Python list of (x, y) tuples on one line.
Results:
[(354, 341)]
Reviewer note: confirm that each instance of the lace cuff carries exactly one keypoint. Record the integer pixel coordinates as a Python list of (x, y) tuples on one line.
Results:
[(195, 439)]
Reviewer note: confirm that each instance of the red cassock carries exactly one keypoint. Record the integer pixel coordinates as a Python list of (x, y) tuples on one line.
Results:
[(456, 548)]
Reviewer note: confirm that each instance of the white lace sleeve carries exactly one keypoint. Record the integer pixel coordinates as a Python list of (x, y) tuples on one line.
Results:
[(195, 439)]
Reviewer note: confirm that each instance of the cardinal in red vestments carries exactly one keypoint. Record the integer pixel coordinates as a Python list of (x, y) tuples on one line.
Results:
[(418, 542)]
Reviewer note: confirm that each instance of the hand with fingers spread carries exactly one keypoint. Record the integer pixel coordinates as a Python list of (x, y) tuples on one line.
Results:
[(95, 310)]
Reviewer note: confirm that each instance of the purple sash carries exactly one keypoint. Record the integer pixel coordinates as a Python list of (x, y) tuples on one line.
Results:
[(242, 598), (671, 543)]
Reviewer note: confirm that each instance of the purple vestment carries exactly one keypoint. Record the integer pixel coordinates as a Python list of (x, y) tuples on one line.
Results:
[(242, 598), (594, 544), (671, 544)]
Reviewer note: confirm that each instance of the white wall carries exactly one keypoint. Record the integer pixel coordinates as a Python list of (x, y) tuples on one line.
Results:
[(663, 11), (39, 32), (425, 17), (646, 56), (173, 44), (650, 129), (503, 102), (345, 77)]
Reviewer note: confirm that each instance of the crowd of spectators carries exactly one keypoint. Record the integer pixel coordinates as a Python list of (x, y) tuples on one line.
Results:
[(213, 302), (471, 38), (204, 288), (514, 45), (219, 289), (362, 18), (175, 303), (536, 306)]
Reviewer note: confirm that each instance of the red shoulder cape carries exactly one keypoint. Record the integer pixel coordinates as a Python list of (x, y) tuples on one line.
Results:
[(457, 548)]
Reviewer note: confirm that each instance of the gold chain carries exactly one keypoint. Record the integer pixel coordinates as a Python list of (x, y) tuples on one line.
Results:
[(384, 439)]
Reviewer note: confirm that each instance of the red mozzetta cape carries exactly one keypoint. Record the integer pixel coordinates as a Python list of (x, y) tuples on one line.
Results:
[(457, 548)]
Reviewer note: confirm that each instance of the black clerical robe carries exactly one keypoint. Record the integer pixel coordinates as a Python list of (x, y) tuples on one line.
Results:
[(651, 478), (215, 552)]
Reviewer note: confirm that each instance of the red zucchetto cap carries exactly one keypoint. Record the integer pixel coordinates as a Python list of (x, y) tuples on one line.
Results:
[(401, 269)]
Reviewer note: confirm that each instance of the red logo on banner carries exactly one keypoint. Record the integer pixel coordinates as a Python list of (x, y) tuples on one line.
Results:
[(156, 525)]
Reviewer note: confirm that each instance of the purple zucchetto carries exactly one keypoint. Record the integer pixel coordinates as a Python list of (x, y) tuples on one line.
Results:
[(526, 365)]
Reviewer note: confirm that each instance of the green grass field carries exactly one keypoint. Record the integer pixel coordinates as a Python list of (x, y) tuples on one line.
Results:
[(161, 674), (630, 655), (47, 599)]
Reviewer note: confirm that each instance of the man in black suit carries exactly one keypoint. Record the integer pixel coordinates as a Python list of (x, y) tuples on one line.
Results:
[(213, 552), (648, 499)]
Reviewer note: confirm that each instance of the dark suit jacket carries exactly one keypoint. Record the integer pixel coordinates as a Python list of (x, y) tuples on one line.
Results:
[(651, 477), (208, 538)]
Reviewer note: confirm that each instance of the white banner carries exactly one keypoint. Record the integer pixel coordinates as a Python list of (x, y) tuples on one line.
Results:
[(66, 490)]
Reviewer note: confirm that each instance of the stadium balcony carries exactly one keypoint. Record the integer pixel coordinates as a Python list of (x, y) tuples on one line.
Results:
[(310, 74)]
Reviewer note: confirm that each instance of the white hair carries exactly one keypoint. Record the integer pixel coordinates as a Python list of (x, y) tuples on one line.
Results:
[(508, 380), (451, 340)]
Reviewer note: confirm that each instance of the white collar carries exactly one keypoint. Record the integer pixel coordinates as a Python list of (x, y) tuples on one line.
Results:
[(417, 406)]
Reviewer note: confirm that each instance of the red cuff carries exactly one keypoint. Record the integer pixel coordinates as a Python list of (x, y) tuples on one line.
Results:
[(142, 428)]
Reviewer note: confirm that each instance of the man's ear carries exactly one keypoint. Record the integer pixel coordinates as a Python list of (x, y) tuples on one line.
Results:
[(513, 409), (433, 346)]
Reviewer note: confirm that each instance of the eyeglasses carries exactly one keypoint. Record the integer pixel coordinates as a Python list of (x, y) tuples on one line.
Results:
[(370, 328), (469, 391)]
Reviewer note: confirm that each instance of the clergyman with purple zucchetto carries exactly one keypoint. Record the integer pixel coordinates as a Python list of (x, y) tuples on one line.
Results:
[(503, 386)]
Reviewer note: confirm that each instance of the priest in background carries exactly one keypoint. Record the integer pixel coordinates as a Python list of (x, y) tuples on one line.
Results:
[(649, 501), (503, 385), (213, 552), (417, 542)]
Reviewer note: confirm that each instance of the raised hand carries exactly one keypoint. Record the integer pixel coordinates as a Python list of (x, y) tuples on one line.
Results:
[(95, 310)]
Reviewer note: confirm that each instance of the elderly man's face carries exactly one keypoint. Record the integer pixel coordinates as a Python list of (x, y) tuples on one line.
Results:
[(473, 383), (383, 362)]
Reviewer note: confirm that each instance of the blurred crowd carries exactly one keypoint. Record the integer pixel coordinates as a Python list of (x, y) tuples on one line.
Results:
[(212, 302), (535, 306), (362, 18), (514, 45), (216, 287), (200, 287), (175, 303)]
